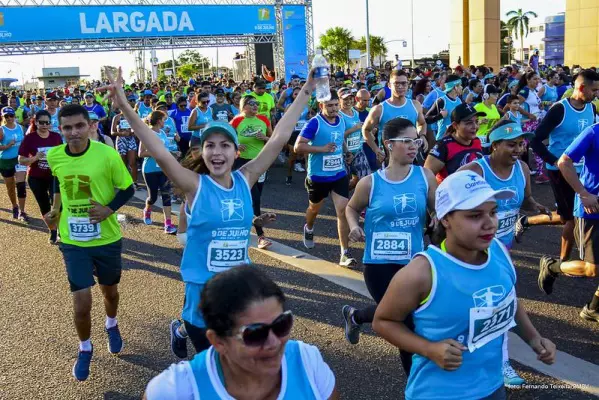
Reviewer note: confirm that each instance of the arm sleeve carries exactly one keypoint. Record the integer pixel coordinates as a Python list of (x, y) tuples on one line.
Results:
[(174, 383), (434, 114), (309, 130), (319, 373), (548, 124), (236, 121), (121, 198), (581, 145)]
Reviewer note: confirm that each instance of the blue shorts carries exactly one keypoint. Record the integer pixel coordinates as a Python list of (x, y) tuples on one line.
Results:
[(191, 308)]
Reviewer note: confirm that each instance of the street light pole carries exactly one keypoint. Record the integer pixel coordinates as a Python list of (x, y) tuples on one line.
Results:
[(367, 37), (412, 25)]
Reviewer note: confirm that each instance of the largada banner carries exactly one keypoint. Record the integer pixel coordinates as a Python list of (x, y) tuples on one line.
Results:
[(294, 40), (94, 22)]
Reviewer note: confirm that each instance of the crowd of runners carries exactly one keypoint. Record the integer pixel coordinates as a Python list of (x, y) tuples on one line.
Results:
[(432, 169)]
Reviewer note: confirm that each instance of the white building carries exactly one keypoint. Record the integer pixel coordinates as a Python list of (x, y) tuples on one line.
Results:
[(59, 77), (534, 40)]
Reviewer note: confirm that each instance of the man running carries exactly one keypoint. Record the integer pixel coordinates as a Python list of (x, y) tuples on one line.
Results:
[(322, 138), (87, 174), (51, 107), (561, 125)]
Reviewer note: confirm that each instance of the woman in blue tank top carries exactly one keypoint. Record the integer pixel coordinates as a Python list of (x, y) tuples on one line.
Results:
[(216, 240), (503, 169), (251, 356), (396, 200), (11, 136), (462, 299)]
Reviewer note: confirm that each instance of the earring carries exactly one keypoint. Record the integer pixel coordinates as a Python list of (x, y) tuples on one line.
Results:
[(390, 147)]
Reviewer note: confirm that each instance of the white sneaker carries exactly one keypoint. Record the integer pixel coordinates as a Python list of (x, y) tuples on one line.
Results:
[(298, 168), (281, 157)]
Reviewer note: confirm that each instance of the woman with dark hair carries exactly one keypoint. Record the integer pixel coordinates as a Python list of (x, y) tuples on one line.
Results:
[(11, 136), (32, 153), (251, 356), (474, 93), (422, 88), (396, 200)]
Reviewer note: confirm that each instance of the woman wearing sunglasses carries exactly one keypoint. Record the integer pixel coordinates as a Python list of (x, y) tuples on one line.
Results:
[(11, 136), (462, 299), (396, 200), (216, 240), (201, 114), (251, 356)]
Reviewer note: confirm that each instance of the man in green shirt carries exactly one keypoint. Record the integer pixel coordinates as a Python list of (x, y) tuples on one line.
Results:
[(266, 104)]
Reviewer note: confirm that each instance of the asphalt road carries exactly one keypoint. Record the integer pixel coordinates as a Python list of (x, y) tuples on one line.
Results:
[(39, 344)]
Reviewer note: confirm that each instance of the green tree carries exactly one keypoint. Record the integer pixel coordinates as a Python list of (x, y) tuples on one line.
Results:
[(189, 63), (377, 47), (518, 25), (335, 44)]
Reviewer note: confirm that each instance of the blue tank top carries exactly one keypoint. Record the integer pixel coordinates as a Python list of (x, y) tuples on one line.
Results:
[(443, 124), (395, 218), (149, 164), (9, 134), (303, 119), (573, 123), (389, 112), (517, 117), (143, 110), (550, 94), (202, 118), (327, 164), (507, 210), (54, 123), (295, 382), (474, 305), (217, 240), (387, 92), (171, 127), (353, 140)]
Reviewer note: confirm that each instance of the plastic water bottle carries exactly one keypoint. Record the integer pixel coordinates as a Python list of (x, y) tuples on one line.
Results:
[(321, 76)]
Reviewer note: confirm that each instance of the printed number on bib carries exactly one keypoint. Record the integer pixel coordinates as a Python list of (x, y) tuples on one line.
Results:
[(489, 323), (332, 163), (391, 246), (82, 230), (224, 254), (20, 168), (353, 143), (507, 222)]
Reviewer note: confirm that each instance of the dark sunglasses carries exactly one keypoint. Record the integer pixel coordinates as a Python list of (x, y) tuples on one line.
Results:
[(252, 103), (43, 122), (255, 335), (182, 105), (9, 116), (205, 102)]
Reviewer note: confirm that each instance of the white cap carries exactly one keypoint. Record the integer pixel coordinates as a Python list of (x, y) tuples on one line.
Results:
[(465, 190)]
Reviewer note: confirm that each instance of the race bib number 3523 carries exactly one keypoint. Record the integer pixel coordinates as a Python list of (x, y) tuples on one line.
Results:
[(224, 254)]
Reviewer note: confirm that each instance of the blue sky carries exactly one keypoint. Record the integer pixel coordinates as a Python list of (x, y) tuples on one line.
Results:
[(431, 31)]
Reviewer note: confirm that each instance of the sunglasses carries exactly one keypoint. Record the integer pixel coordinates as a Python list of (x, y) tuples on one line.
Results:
[(9, 116), (252, 104), (43, 122), (410, 142), (255, 335), (205, 102)]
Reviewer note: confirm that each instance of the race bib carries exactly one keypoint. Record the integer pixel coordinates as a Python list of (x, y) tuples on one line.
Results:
[(332, 163), (507, 222), (489, 323), (82, 230), (300, 125), (124, 124), (391, 246), (224, 254), (353, 143), (20, 168)]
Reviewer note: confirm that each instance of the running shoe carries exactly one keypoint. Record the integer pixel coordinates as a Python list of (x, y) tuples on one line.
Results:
[(288, 181), (308, 238), (147, 217), (534, 172), (178, 344), (15, 212), (588, 314), (521, 227), (541, 179), (115, 341), (511, 378), (546, 277), (24, 217), (81, 367), (263, 243), (298, 168), (352, 330), (347, 260), (170, 229), (53, 239)]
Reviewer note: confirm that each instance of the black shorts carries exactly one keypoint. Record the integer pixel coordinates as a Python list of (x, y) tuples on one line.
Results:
[(293, 138), (8, 167), (82, 263), (586, 233), (563, 193), (318, 191)]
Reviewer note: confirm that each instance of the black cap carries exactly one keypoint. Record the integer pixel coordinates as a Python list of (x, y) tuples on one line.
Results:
[(219, 91), (465, 111), (260, 84)]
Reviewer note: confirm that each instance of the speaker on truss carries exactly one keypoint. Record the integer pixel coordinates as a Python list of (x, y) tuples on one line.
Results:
[(264, 56)]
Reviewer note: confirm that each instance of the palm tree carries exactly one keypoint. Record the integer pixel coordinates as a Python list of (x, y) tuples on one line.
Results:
[(377, 47), (518, 25), (336, 43)]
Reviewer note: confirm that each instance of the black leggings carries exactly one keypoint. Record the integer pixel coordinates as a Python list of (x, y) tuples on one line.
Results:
[(198, 337), (156, 181), (43, 191), (256, 194), (377, 278)]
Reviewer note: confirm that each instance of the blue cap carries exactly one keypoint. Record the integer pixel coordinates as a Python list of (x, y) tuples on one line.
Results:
[(131, 97), (89, 94), (148, 93), (268, 86), (508, 132), (218, 127), (68, 99), (93, 116), (8, 111)]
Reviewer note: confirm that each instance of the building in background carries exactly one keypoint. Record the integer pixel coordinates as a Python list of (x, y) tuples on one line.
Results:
[(59, 77), (581, 33), (534, 41), (554, 39)]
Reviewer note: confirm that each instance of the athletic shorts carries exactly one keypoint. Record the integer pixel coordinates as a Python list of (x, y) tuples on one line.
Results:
[(359, 166), (125, 144), (586, 233), (8, 167), (318, 191), (293, 138), (82, 263), (564, 194), (191, 308)]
